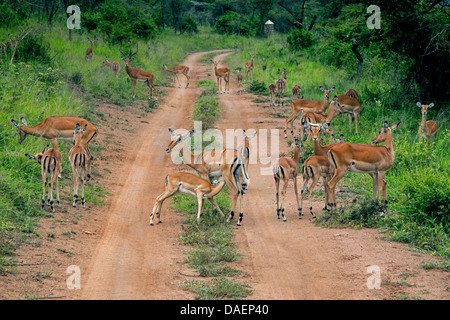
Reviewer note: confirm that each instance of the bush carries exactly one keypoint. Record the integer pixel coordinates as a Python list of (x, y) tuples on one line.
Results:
[(300, 39), (233, 23)]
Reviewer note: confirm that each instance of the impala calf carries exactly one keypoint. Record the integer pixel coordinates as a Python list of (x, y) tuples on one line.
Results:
[(50, 161), (90, 51), (240, 79), (188, 183), (363, 158), (351, 106), (249, 66), (428, 129), (222, 73), (313, 168), (136, 74), (304, 106), (78, 161), (273, 90), (115, 65), (184, 70), (59, 128), (296, 92), (285, 170)]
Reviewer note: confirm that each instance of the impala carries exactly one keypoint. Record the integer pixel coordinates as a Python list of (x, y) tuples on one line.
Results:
[(240, 79), (428, 129), (178, 70), (296, 92), (304, 106), (352, 93), (115, 65), (136, 74), (50, 161), (315, 130), (188, 183), (319, 118), (249, 66), (5, 45), (90, 50), (222, 73), (56, 128), (285, 170), (363, 158), (351, 106), (78, 161), (228, 163), (273, 90), (313, 168)]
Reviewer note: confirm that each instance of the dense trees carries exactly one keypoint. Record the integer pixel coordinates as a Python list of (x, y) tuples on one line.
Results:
[(413, 38)]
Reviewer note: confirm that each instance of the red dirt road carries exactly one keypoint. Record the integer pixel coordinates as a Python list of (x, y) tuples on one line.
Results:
[(125, 258)]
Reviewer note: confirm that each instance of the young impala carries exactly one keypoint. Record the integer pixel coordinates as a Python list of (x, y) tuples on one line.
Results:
[(184, 70), (78, 158), (363, 158), (222, 73), (304, 106), (59, 128), (231, 164), (296, 92), (281, 86), (90, 51), (188, 183), (273, 90), (428, 129), (50, 161), (285, 170), (115, 65), (136, 74), (249, 66), (240, 79)]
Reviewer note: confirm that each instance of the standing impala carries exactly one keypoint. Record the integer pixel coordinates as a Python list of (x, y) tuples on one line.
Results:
[(188, 183), (428, 129), (273, 89), (78, 158), (240, 80), (59, 128), (296, 92), (351, 106), (115, 65), (231, 164), (178, 70), (136, 74), (249, 66), (363, 158), (285, 170), (50, 161), (90, 51), (304, 106), (222, 73)]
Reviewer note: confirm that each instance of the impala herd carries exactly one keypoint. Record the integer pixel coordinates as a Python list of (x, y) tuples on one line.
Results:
[(230, 166)]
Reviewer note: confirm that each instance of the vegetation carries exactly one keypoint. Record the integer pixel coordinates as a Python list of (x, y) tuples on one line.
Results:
[(319, 43)]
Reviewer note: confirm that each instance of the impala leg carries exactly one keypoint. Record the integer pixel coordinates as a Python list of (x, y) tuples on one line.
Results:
[(75, 186), (291, 121), (356, 123), (233, 203), (299, 207), (200, 206), (187, 78), (325, 188), (315, 179), (158, 204), (44, 183), (374, 177), (283, 196), (303, 193), (381, 187), (338, 174), (241, 214), (50, 193), (214, 203), (277, 186), (350, 121), (57, 192), (133, 86)]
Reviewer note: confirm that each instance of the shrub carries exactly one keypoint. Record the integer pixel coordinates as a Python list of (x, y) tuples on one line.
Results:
[(300, 39)]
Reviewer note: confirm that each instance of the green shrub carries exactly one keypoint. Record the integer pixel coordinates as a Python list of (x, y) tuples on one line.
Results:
[(300, 39)]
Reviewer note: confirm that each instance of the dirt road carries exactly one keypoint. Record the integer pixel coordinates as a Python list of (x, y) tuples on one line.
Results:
[(122, 257), (284, 260)]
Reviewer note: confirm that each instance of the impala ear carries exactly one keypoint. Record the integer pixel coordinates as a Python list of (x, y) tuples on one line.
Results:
[(331, 89), (322, 89), (395, 126), (431, 105), (23, 120), (77, 128), (15, 124), (172, 133), (30, 156), (45, 150), (189, 135), (385, 126), (85, 128), (419, 104)]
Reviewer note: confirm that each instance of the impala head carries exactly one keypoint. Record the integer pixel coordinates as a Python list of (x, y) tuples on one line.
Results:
[(164, 67), (252, 56), (296, 144), (215, 63), (105, 62), (78, 132), (22, 133), (335, 141), (315, 129), (176, 138), (384, 132), (37, 157), (326, 92), (335, 108), (128, 58), (425, 107), (92, 41)]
